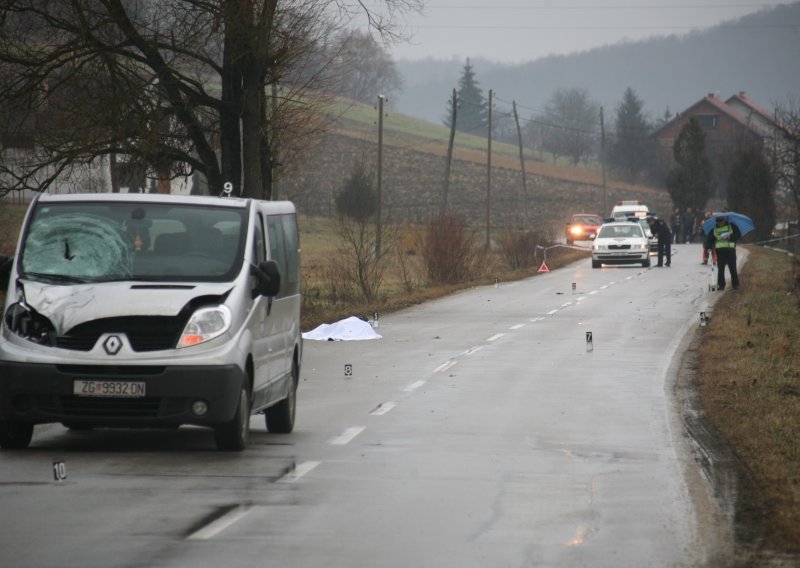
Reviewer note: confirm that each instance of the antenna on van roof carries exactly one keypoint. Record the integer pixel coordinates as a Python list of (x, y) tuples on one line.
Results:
[(227, 189)]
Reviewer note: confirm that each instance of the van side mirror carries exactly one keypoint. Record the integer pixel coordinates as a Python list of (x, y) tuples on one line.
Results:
[(5, 272), (268, 278)]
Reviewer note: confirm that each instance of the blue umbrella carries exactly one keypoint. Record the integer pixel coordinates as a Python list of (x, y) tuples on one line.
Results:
[(742, 222)]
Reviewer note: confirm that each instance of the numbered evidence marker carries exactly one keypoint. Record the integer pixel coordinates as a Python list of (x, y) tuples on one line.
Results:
[(376, 320), (348, 370), (59, 471), (703, 319), (589, 345)]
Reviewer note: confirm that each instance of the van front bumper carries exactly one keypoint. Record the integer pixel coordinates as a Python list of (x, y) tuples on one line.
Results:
[(42, 393)]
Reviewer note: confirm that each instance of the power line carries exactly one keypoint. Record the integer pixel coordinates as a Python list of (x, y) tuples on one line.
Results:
[(610, 28), (631, 6)]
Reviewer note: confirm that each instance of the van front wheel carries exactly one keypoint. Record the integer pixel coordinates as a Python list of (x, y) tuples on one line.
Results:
[(280, 418), (15, 435), (232, 436)]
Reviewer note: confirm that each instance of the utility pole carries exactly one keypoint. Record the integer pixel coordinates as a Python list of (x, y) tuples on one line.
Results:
[(521, 162), (603, 160), (273, 143), (489, 176), (378, 228), (446, 187)]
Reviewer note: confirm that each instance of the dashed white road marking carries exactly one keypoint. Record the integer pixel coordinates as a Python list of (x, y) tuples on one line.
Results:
[(414, 386), (444, 366), (471, 350), (518, 326), (566, 305), (383, 408), (299, 471), (534, 320), (551, 312), (347, 436), (218, 525), (495, 337), (593, 292)]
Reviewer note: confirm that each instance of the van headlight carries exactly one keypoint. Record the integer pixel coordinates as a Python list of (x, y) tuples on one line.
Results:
[(204, 325)]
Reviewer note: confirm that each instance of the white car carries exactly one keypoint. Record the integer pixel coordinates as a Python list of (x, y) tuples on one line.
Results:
[(621, 242), (651, 238)]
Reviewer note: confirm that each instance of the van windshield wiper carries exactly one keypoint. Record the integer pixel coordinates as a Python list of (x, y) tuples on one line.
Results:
[(55, 277)]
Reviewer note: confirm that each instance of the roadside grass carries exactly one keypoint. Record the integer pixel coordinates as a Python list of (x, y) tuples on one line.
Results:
[(403, 282), (749, 390)]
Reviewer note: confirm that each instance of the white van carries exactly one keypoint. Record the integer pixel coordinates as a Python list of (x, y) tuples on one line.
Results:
[(629, 208), (149, 310)]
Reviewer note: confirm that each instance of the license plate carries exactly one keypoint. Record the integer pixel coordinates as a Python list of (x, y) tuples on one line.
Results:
[(121, 389)]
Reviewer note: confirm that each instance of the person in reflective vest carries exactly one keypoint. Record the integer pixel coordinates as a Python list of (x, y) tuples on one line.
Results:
[(722, 239)]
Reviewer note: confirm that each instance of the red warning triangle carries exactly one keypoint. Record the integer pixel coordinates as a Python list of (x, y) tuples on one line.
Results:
[(543, 267)]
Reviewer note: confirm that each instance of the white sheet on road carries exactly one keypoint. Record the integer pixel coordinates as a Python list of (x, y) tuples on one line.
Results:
[(350, 329)]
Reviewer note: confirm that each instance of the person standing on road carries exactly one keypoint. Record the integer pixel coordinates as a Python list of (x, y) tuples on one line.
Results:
[(723, 239), (675, 225), (659, 229), (687, 226)]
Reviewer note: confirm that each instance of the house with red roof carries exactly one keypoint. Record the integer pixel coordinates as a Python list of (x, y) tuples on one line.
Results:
[(728, 125)]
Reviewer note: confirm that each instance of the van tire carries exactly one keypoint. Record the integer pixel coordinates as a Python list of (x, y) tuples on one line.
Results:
[(232, 436), (596, 264), (280, 418), (15, 435)]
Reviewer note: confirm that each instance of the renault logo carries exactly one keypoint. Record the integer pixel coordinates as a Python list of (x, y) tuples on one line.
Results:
[(112, 345)]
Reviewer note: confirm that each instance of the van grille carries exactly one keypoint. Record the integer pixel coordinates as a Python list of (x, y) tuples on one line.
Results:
[(115, 408), (111, 370), (145, 333)]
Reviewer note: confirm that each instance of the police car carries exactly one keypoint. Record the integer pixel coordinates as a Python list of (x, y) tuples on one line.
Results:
[(621, 242)]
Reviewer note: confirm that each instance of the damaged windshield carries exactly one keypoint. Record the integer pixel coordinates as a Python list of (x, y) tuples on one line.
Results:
[(101, 242)]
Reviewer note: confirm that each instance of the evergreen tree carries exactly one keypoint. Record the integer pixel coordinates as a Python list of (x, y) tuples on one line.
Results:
[(632, 149), (472, 116), (690, 182), (751, 189), (357, 198)]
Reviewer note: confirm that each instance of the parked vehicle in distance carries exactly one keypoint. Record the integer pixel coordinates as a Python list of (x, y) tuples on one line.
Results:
[(582, 227), (151, 310), (629, 208), (620, 242)]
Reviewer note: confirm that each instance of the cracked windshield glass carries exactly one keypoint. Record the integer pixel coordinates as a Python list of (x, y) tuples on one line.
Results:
[(90, 242)]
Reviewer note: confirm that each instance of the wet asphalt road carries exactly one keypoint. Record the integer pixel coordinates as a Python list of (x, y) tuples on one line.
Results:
[(483, 430)]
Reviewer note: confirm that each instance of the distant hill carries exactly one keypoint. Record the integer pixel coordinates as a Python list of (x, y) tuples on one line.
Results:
[(758, 54)]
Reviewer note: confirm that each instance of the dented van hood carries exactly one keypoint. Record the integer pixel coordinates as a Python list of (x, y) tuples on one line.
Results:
[(68, 306)]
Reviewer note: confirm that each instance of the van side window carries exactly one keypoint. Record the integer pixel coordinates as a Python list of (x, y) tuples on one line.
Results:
[(284, 250), (292, 236), (259, 247)]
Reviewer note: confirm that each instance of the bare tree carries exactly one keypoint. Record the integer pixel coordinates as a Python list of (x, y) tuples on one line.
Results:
[(569, 124), (784, 152), (364, 68), (176, 85)]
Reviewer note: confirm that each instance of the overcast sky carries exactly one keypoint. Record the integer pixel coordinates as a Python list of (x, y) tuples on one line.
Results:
[(512, 31)]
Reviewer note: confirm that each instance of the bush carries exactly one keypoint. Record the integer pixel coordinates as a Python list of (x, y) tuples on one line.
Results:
[(518, 248), (447, 250)]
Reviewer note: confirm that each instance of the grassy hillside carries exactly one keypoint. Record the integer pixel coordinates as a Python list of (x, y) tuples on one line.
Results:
[(414, 161)]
